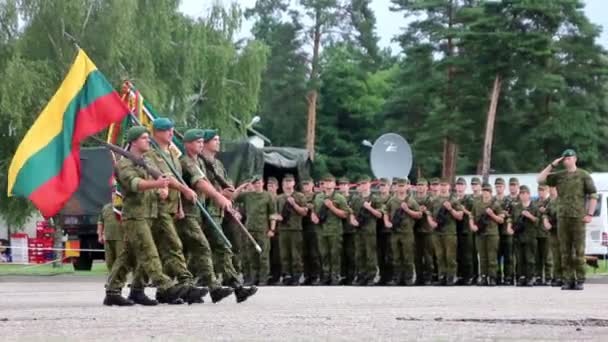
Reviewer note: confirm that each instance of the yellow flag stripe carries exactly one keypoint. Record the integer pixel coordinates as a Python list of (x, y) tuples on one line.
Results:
[(50, 122)]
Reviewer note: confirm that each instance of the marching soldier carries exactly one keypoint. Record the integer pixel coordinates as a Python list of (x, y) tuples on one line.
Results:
[(139, 209), (348, 237), (424, 234), (260, 210), (550, 224), (505, 274), (448, 212), (574, 186), (196, 246), (310, 251), (383, 235), (400, 215), (523, 223), (544, 262), (367, 210), (292, 207), (215, 172), (331, 208), (484, 219)]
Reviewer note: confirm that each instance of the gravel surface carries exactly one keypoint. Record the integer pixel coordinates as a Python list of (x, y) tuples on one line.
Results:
[(70, 309)]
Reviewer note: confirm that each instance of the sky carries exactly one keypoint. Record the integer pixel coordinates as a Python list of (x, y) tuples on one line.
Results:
[(389, 24)]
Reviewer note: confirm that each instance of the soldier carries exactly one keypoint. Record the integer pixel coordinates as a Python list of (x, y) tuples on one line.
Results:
[(544, 264), (400, 215), (505, 274), (424, 234), (169, 204), (292, 207), (195, 245), (348, 237), (367, 210), (272, 186), (550, 224), (484, 220), (523, 222), (139, 208), (434, 188), (110, 233), (310, 251), (448, 212), (383, 237), (260, 210), (573, 185), (476, 188), (466, 250), (330, 208), (216, 173)]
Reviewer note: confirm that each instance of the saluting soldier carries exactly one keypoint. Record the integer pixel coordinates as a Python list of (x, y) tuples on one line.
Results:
[(574, 186), (484, 219), (424, 229), (400, 215), (544, 260)]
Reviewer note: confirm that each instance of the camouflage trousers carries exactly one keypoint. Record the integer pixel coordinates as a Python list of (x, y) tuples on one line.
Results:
[(197, 250), (487, 245), (310, 253), (544, 259), (467, 252), (140, 253), (257, 265), (557, 255), (505, 256), (112, 249), (571, 232), (402, 248), (366, 255), (349, 255), (170, 249), (290, 245), (445, 251), (525, 251), (424, 256), (222, 256), (330, 248)]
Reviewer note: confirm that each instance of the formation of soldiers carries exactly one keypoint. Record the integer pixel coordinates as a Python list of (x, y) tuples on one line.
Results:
[(397, 234)]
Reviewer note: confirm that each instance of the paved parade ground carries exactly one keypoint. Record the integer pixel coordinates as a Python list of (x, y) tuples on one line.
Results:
[(66, 308)]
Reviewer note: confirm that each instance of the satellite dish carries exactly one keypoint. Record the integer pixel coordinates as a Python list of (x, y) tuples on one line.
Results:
[(391, 157)]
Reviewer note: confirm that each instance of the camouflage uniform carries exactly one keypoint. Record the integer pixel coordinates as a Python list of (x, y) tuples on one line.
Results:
[(259, 209), (573, 188), (290, 238), (365, 238), (112, 234), (466, 249), (445, 240), (402, 239), (505, 243), (165, 235), (310, 246), (544, 260), (349, 247), (383, 237), (330, 235), (551, 215), (424, 243), (525, 242), (487, 238)]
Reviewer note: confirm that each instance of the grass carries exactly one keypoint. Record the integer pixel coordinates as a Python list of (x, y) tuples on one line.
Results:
[(99, 268), (601, 270)]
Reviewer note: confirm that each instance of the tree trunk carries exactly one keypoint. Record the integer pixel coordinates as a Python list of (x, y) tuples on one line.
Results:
[(489, 134), (450, 148), (311, 97)]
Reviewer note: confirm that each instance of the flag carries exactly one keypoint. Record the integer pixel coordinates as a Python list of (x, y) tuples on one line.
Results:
[(46, 166)]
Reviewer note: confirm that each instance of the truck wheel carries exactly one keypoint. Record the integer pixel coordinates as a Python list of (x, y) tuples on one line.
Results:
[(83, 263)]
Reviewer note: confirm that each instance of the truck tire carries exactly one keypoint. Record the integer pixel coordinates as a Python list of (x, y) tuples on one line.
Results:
[(83, 263)]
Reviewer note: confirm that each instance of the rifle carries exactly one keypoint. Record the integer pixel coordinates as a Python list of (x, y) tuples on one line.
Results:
[(285, 212), (398, 217), (520, 224), (483, 223), (323, 212), (442, 218)]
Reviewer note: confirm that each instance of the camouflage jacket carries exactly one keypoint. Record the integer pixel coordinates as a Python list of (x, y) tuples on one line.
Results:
[(573, 189)]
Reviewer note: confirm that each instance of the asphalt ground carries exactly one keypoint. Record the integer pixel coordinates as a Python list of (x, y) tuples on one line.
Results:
[(68, 308)]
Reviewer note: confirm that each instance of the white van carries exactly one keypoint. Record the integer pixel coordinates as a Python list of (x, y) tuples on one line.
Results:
[(596, 239)]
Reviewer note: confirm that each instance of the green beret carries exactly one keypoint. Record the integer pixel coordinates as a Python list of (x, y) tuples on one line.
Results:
[(343, 180), (569, 153), (162, 124), (272, 180), (209, 134), (193, 135), (514, 181), (461, 180), (434, 181), (328, 178), (475, 180), (486, 187), (422, 181), (383, 180), (499, 181), (364, 179), (288, 177), (524, 188), (135, 132)]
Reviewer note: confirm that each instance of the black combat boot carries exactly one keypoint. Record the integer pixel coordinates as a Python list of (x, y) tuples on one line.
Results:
[(483, 281), (539, 282), (194, 295), (568, 285), (219, 293), (491, 281), (530, 282), (295, 281), (114, 298), (138, 296), (450, 281), (556, 282), (242, 293), (579, 285), (508, 281), (172, 295)]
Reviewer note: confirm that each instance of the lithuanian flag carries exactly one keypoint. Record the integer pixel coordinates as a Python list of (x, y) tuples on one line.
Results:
[(46, 166)]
